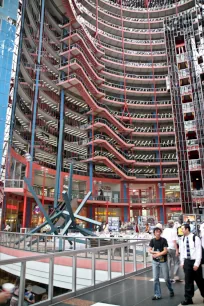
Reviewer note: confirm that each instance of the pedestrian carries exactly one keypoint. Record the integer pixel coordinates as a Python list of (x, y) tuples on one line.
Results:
[(158, 249), (14, 299), (147, 228), (190, 257), (170, 235), (4, 296)]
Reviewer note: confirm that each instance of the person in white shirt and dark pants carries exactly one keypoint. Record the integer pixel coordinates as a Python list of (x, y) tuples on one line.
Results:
[(190, 257), (170, 235)]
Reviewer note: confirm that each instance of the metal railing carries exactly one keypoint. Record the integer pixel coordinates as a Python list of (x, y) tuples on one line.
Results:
[(14, 183), (24, 267)]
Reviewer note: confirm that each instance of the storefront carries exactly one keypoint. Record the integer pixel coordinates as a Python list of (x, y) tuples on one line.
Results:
[(173, 213), (172, 193), (102, 214), (12, 208)]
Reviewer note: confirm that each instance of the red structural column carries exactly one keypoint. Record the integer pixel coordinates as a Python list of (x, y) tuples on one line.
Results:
[(43, 188), (107, 212), (128, 196), (163, 199)]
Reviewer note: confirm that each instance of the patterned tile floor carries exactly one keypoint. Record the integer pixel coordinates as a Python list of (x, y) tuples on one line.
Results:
[(134, 291)]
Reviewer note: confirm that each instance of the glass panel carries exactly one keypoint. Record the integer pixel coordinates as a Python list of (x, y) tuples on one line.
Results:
[(36, 281), (62, 275), (116, 266)]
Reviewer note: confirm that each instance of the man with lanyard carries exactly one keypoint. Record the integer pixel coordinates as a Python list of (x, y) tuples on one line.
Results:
[(190, 257), (170, 235), (158, 249)]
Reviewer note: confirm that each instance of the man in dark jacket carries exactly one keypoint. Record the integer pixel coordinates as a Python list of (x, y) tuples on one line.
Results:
[(158, 249)]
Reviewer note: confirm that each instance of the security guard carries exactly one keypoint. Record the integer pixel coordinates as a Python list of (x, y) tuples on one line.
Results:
[(190, 257)]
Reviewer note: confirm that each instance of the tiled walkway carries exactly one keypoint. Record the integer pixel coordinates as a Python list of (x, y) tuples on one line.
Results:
[(137, 290)]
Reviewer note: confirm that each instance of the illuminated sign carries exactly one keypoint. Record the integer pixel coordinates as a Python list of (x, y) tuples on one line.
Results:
[(175, 208), (10, 206), (103, 213)]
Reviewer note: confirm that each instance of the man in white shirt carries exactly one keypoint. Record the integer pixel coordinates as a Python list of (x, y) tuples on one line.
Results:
[(170, 234), (190, 257)]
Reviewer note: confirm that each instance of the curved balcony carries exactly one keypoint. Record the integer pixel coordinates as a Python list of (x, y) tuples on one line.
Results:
[(149, 131), (76, 63), (23, 94), (49, 66), (131, 77), (140, 160), (80, 74), (49, 117), (74, 83), (145, 117), (27, 53), (54, 105), (53, 23), (55, 10), (50, 50), (110, 16), (85, 36), (104, 126), (129, 158), (109, 129), (96, 92), (29, 36), (76, 101), (134, 103), (161, 11), (25, 122), (130, 90), (139, 66), (84, 49), (27, 77), (128, 176), (51, 35), (116, 29), (31, 18), (128, 43), (133, 54), (51, 84), (48, 99), (35, 7)]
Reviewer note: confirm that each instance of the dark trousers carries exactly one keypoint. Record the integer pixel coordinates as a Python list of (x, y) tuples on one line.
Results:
[(190, 277)]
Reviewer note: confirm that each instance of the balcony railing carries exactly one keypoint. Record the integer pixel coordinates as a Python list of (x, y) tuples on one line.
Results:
[(49, 264), (14, 183), (134, 64), (132, 52)]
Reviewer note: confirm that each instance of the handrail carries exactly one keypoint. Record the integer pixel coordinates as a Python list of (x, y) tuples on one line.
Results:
[(131, 30), (126, 40), (74, 255), (135, 64), (143, 9), (130, 75), (132, 52), (136, 89), (132, 19)]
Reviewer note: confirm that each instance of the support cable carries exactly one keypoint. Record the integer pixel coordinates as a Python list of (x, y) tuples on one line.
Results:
[(35, 102), (155, 98), (125, 108)]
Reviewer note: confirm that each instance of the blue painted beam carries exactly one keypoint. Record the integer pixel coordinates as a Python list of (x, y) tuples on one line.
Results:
[(68, 206), (83, 203), (59, 151), (15, 91), (87, 220), (70, 184), (35, 102), (32, 191)]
